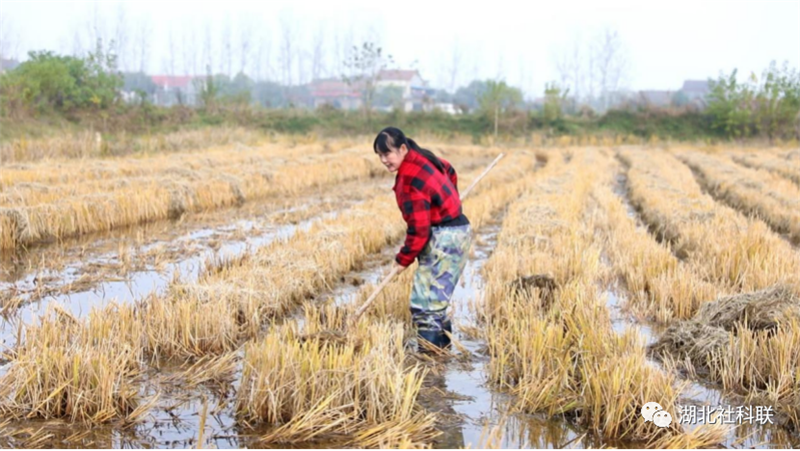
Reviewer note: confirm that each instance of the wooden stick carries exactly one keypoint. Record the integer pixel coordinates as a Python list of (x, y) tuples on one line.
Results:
[(483, 174), (396, 270), (375, 294)]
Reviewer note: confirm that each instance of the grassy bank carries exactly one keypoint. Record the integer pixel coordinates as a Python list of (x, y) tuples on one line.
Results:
[(124, 120)]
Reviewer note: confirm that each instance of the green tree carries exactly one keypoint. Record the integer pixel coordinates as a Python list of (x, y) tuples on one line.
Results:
[(497, 99), (554, 100), (48, 81), (777, 102), (729, 106)]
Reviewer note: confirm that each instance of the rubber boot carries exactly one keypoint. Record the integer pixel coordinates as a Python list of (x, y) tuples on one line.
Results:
[(448, 326), (435, 337)]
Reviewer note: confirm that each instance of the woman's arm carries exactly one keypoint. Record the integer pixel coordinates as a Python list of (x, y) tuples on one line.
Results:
[(451, 172), (416, 207)]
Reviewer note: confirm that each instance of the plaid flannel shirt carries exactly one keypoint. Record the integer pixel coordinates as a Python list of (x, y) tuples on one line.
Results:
[(426, 197)]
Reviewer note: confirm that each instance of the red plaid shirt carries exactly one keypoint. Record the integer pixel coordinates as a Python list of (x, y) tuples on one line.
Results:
[(426, 197)]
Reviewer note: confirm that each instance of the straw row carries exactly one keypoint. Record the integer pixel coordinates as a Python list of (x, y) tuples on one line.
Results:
[(252, 291), (169, 199), (755, 351), (159, 170), (759, 192), (553, 348), (735, 252), (786, 165), (90, 144), (295, 402), (661, 287), (359, 391)]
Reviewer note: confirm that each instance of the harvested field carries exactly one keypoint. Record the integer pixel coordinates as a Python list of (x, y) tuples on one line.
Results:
[(198, 298)]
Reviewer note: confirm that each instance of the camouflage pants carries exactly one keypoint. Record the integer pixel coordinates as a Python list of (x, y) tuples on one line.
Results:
[(441, 263)]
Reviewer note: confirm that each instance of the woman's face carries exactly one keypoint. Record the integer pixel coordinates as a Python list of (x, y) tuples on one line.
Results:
[(394, 157)]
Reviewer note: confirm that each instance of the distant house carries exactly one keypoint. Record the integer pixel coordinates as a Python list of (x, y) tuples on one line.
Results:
[(695, 91), (7, 65), (695, 88), (174, 90), (335, 93), (416, 93)]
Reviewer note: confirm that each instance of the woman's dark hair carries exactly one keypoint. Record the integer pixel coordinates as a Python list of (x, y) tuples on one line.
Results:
[(396, 137)]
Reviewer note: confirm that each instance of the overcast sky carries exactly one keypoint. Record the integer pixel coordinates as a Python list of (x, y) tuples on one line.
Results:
[(664, 42)]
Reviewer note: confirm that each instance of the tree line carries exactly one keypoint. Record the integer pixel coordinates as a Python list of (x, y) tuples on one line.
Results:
[(47, 83)]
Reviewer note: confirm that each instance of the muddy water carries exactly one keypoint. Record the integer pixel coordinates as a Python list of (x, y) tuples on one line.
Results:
[(478, 407), (457, 388), (153, 255)]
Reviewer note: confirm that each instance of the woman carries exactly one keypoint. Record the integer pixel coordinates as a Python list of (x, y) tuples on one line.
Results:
[(438, 235)]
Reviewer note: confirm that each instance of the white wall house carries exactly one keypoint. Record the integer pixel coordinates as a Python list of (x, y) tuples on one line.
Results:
[(410, 82)]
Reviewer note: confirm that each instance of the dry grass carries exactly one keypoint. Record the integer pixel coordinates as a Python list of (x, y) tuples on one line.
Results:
[(360, 391), (30, 215), (557, 355), (283, 274), (760, 192), (703, 436), (564, 358), (750, 343), (733, 251), (759, 310), (786, 165), (85, 144), (53, 200), (362, 395), (84, 371), (661, 287), (759, 355)]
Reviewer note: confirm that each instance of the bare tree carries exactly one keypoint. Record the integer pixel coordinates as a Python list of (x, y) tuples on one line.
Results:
[(563, 69), (338, 57), (501, 75), (318, 54), (262, 59), (591, 77), (345, 41), (189, 52), (173, 53), (366, 63), (525, 78), (245, 44), (143, 44), (121, 37), (227, 48), (576, 65), (208, 49), (95, 28), (77, 44), (9, 38), (287, 50), (455, 65), (302, 57), (611, 64)]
